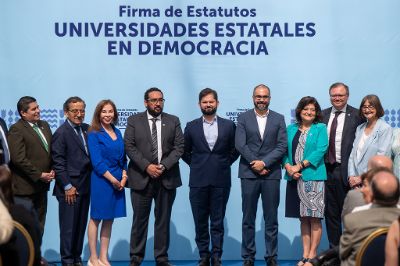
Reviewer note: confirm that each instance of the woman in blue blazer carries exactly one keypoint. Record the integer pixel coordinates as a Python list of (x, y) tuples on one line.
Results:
[(305, 172), (107, 196), (373, 137)]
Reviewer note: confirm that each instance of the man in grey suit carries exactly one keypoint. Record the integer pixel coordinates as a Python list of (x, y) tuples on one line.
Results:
[(261, 140), (342, 121), (29, 141), (154, 143), (383, 211)]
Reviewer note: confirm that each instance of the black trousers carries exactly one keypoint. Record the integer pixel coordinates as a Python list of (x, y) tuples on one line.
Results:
[(208, 208), (141, 204), (335, 193)]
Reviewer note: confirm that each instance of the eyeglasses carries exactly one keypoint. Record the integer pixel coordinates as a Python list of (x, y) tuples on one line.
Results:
[(76, 111), (338, 95), (155, 101), (264, 97), (368, 107)]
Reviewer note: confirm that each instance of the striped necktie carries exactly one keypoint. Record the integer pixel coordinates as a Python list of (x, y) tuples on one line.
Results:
[(36, 128), (154, 142)]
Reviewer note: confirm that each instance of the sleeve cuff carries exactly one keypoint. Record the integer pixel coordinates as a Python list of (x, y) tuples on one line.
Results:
[(67, 187)]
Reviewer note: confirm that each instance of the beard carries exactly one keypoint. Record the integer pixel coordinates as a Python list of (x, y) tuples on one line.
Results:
[(261, 106), (154, 112), (209, 111)]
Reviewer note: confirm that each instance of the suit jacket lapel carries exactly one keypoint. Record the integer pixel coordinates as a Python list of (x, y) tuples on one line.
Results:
[(146, 126), (370, 138), (254, 121), (74, 134), (326, 116), (33, 132), (200, 131)]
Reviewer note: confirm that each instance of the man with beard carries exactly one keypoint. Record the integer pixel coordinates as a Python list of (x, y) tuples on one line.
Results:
[(154, 143), (209, 151), (261, 141)]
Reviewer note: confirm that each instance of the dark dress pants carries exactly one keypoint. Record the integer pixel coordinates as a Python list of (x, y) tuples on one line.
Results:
[(141, 204), (209, 204), (269, 189), (73, 220), (335, 193), (36, 202)]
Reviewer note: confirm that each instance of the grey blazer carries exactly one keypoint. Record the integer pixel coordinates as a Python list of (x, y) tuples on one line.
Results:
[(138, 148), (378, 143), (358, 225)]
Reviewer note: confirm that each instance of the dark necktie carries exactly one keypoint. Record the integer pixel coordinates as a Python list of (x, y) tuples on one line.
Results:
[(79, 131), (36, 128), (154, 143), (332, 136)]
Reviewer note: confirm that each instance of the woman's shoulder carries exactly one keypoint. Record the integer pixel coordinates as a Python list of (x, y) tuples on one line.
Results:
[(319, 126)]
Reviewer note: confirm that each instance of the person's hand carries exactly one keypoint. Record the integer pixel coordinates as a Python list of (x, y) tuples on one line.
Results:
[(70, 195), (116, 184), (354, 181), (123, 181), (257, 165), (47, 177), (296, 176), (153, 170), (264, 172)]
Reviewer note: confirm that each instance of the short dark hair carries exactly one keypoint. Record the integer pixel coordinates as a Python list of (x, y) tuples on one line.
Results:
[(96, 124), (207, 91), (73, 99), (146, 94), (23, 103), (375, 102), (261, 86), (338, 84), (303, 103), (385, 198)]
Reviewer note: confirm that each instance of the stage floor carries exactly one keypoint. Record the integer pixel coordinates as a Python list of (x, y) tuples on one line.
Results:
[(193, 263)]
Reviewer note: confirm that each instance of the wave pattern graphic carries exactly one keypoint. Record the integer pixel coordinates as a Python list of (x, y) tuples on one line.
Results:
[(54, 117)]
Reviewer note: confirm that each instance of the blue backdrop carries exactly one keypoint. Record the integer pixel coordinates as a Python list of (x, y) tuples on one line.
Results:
[(117, 49)]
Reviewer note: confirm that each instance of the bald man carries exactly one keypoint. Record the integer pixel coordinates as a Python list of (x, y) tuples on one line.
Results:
[(358, 225), (354, 197)]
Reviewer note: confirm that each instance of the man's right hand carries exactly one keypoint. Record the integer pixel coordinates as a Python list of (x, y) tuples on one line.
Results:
[(154, 171)]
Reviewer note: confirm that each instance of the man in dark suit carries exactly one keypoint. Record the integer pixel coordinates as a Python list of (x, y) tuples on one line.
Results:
[(209, 151), (29, 141), (345, 120), (72, 166), (154, 143), (4, 150), (262, 142)]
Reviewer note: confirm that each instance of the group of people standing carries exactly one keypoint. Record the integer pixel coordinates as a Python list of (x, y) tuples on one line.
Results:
[(324, 154)]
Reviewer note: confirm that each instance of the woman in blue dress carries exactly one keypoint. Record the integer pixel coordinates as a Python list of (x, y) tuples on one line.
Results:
[(108, 179)]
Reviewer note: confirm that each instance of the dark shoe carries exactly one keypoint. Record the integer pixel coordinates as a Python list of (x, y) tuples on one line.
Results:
[(163, 263), (271, 262), (216, 261), (204, 262), (248, 263), (68, 264), (78, 263), (134, 263)]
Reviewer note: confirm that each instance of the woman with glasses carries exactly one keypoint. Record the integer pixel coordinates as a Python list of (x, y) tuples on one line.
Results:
[(107, 196), (306, 173), (373, 137)]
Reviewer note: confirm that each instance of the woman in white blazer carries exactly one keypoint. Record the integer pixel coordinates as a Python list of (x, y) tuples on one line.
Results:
[(373, 137)]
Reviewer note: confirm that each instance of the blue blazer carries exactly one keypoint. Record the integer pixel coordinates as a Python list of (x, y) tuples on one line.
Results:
[(378, 143), (210, 167), (270, 149), (314, 151), (70, 161)]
